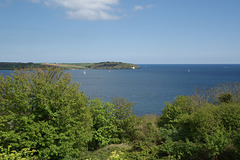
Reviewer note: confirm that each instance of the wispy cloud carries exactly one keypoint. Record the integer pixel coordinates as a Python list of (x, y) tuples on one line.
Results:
[(140, 7), (85, 9), (89, 9), (150, 6), (35, 1)]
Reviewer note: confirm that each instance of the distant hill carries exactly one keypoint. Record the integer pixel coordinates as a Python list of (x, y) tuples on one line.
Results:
[(101, 65), (113, 65), (16, 65)]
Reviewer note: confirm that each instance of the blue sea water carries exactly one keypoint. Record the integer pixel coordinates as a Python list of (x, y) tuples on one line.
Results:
[(151, 86)]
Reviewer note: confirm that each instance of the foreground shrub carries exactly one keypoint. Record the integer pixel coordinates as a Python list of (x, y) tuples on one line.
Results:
[(118, 151), (201, 127), (180, 150), (146, 138), (24, 154), (173, 110), (105, 124)]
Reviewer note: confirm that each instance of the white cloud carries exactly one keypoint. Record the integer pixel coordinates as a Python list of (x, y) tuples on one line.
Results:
[(138, 7), (35, 1), (89, 9), (149, 6), (85, 9)]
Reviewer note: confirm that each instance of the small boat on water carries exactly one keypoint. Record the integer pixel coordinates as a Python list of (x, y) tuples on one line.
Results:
[(84, 72), (188, 70)]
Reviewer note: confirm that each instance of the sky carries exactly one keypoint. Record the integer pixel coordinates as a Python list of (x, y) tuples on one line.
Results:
[(134, 31)]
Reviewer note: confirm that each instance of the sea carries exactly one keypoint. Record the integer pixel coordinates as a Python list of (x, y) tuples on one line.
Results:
[(151, 86)]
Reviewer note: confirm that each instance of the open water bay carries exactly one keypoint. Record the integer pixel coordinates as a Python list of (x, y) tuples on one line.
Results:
[(153, 85)]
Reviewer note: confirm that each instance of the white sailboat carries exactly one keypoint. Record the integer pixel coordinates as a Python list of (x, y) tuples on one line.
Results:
[(84, 72)]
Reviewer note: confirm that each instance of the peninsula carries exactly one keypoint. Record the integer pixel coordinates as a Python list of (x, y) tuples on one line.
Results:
[(69, 66)]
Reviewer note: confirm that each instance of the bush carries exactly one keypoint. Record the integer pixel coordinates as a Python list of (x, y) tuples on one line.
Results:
[(172, 111), (226, 98), (208, 131), (105, 124), (145, 138), (123, 108), (24, 154), (230, 116), (180, 150)]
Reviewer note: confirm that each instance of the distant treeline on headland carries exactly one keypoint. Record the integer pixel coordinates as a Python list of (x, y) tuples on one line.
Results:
[(101, 65), (16, 65)]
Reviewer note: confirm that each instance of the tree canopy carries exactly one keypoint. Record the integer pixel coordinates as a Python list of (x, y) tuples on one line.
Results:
[(43, 110)]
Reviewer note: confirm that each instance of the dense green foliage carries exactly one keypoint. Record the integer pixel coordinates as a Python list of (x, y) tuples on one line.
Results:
[(105, 125), (43, 115), (43, 110), (202, 128), (8, 154)]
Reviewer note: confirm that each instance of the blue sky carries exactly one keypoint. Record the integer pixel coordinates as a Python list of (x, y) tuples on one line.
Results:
[(136, 31)]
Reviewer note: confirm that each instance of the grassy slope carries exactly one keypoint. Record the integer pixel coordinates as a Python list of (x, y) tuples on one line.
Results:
[(68, 65), (101, 65)]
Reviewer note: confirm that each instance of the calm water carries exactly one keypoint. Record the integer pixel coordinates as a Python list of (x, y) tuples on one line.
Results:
[(152, 85)]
